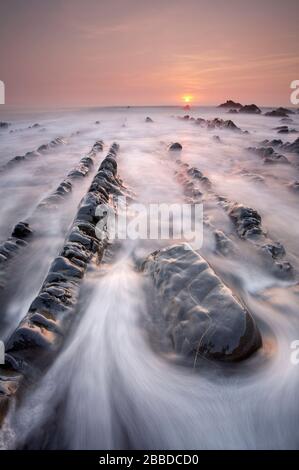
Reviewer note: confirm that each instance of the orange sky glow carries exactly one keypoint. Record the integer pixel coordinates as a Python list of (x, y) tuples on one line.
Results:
[(129, 52)]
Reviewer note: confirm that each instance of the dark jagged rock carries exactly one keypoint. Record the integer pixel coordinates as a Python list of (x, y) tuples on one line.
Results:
[(279, 112), (200, 122), (248, 224), (24, 230), (233, 111), (246, 220), (97, 123), (286, 110), (192, 180), (250, 109), (292, 147), (4, 125), (197, 174), (218, 123), (285, 130), (269, 155), (21, 230), (276, 250), (271, 143), (232, 105), (201, 315), (35, 153), (148, 119), (176, 146), (35, 342)]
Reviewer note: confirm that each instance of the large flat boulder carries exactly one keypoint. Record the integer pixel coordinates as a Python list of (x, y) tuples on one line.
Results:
[(202, 316)]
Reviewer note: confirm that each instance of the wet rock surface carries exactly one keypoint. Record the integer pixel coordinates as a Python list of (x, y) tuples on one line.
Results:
[(250, 109), (230, 104), (269, 155), (4, 125), (201, 315), (22, 232), (213, 124), (291, 147), (175, 146), (248, 225), (279, 112), (32, 154), (285, 130), (246, 221), (39, 336)]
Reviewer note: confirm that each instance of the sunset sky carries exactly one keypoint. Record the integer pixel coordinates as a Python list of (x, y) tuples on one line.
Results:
[(135, 52)]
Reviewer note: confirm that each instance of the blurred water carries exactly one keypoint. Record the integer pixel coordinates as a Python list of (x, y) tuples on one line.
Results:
[(110, 388)]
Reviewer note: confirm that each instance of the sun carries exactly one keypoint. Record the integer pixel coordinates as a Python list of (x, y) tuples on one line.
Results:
[(187, 99)]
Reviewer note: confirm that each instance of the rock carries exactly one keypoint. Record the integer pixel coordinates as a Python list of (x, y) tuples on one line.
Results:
[(218, 123), (4, 125), (223, 244), (32, 154), (39, 336), (200, 122), (247, 221), (291, 147), (250, 109), (275, 250), (279, 112), (232, 105), (202, 317), (97, 123), (248, 224), (271, 143), (198, 175), (284, 130), (285, 110), (176, 146), (217, 139), (230, 125), (269, 155), (283, 270), (233, 111), (22, 230), (148, 119)]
